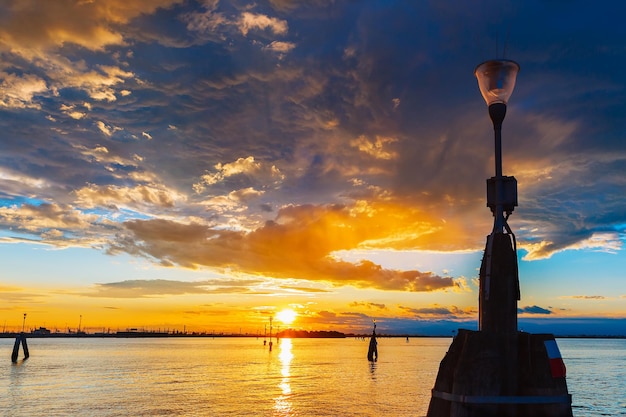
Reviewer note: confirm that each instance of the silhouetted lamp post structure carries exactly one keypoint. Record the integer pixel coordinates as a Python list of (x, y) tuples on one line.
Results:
[(497, 370), (499, 282)]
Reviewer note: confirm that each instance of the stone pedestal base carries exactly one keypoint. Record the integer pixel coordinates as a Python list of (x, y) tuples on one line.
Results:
[(505, 375)]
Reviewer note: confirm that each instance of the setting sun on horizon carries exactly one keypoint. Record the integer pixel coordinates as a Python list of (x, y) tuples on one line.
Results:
[(286, 316)]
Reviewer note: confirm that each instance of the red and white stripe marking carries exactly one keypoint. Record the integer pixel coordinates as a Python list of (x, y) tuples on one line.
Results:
[(557, 366)]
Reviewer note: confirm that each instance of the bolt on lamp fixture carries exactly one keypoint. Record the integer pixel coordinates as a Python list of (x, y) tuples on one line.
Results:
[(496, 80)]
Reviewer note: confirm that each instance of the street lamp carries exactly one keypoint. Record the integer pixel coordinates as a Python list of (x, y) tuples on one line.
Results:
[(499, 370), (499, 282), (496, 80)]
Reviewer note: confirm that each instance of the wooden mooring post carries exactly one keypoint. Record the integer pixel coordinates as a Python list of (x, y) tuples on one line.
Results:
[(372, 352), (20, 339)]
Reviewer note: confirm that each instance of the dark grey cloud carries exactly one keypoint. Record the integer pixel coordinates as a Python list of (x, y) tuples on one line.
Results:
[(534, 310), (583, 326)]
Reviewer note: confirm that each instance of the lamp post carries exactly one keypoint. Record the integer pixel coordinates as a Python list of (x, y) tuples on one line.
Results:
[(496, 80), (499, 283), (498, 371)]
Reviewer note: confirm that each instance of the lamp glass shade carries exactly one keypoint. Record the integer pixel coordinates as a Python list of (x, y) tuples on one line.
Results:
[(496, 80)]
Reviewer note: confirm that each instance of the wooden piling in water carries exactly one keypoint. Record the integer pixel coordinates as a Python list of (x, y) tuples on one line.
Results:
[(25, 347), (16, 349), (20, 339), (372, 352)]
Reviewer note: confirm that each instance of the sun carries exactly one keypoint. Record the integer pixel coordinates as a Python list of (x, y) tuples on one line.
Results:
[(286, 315)]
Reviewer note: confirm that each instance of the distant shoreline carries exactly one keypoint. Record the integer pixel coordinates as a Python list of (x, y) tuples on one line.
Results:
[(311, 335)]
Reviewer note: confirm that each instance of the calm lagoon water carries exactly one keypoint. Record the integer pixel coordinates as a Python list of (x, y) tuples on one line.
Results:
[(241, 377)]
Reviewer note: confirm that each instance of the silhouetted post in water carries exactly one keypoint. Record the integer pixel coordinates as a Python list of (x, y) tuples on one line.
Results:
[(271, 317), (20, 339), (498, 371), (372, 353)]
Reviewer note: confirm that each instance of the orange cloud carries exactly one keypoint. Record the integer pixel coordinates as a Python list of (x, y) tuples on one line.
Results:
[(585, 297), (298, 244), (13, 297), (46, 216), (18, 91), (35, 31), (375, 148), (250, 21), (368, 305), (31, 26), (242, 166), (114, 196)]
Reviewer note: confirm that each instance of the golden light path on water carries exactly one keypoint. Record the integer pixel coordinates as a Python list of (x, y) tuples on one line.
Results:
[(282, 402)]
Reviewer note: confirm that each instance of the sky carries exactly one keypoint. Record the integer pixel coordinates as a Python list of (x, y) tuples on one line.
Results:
[(204, 165)]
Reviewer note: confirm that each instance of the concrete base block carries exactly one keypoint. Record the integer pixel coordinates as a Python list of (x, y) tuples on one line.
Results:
[(505, 375)]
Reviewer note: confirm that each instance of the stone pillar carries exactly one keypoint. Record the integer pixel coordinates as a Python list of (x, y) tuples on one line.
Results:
[(499, 285)]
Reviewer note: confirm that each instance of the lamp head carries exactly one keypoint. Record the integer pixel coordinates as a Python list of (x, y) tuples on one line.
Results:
[(496, 80)]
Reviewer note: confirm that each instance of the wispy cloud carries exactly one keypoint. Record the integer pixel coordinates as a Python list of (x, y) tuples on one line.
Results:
[(585, 297), (161, 287), (368, 305), (16, 298), (440, 311), (254, 21)]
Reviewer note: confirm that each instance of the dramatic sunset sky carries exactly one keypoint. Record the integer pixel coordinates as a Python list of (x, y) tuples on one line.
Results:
[(171, 164)]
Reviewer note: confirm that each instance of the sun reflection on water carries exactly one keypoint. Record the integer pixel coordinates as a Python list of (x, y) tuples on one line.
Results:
[(283, 404)]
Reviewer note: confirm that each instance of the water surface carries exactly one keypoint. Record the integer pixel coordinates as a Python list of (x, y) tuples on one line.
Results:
[(241, 377)]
